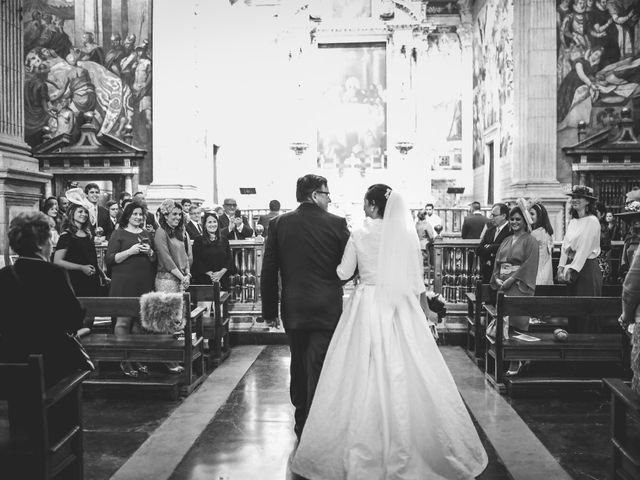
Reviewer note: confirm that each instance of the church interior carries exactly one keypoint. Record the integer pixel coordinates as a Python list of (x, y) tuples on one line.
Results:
[(227, 103)]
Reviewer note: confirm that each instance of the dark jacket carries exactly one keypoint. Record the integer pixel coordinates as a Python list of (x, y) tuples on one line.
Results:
[(488, 248), (223, 225), (36, 315), (304, 246), (265, 220), (192, 230), (104, 221), (473, 225)]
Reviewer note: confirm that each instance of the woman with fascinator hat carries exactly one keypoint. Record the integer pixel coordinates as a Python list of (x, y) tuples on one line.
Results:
[(386, 405), (631, 215), (75, 250)]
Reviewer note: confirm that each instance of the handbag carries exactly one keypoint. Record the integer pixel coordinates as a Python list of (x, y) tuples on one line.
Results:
[(72, 342), (573, 277), (82, 358), (491, 328)]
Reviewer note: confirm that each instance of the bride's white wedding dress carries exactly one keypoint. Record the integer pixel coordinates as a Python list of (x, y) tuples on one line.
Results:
[(386, 406)]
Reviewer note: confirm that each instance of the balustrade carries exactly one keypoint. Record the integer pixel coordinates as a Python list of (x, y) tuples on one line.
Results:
[(456, 268), (245, 283)]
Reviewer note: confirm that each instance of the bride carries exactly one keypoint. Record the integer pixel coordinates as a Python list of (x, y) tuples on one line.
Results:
[(386, 406)]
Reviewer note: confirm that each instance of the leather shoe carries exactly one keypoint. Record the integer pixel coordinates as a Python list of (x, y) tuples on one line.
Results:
[(175, 368)]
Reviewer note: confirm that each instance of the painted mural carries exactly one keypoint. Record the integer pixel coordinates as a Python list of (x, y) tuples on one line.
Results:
[(598, 67), (493, 76), (80, 58)]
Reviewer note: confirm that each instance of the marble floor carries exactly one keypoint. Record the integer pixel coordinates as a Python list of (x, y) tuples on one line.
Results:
[(238, 426)]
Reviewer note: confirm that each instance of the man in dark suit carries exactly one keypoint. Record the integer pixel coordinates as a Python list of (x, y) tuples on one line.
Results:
[(473, 224), (194, 225), (497, 230), (101, 214), (234, 229), (274, 211), (305, 246)]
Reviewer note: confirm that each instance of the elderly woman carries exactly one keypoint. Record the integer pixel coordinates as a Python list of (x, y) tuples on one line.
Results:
[(40, 296), (174, 255), (132, 263), (212, 260), (515, 270), (542, 231), (75, 250)]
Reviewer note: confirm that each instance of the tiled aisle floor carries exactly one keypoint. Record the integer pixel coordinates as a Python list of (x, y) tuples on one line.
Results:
[(251, 436)]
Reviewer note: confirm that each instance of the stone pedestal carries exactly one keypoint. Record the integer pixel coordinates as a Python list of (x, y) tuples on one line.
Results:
[(21, 184)]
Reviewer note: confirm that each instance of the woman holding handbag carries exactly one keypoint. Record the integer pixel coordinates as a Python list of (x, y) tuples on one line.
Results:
[(578, 266)]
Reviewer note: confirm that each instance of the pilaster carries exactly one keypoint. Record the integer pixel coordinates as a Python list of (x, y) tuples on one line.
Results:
[(21, 184)]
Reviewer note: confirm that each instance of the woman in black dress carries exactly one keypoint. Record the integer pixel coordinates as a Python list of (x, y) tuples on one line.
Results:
[(76, 252), (212, 260), (133, 268)]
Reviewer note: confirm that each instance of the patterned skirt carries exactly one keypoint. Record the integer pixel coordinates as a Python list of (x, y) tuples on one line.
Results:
[(167, 282)]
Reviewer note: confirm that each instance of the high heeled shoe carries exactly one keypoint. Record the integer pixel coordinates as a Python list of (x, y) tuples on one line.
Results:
[(521, 366), (175, 367), (142, 368), (128, 370)]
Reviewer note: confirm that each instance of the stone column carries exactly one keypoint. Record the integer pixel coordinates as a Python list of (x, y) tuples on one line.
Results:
[(534, 170), (176, 134), (465, 34), (21, 183)]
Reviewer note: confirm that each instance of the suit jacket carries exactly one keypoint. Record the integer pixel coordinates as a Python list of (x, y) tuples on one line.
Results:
[(489, 245), (193, 231), (103, 219), (265, 220), (473, 225), (304, 248), (223, 225), (37, 312)]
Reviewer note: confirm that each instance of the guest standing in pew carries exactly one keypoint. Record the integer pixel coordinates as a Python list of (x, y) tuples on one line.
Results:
[(491, 239), (39, 307), (605, 243), (631, 215), (631, 316), (174, 255), (114, 214), (50, 208), (515, 270), (133, 268), (542, 231), (75, 251), (212, 260), (578, 265)]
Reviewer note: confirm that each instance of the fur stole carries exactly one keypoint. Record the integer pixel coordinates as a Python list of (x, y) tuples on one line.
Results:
[(161, 312)]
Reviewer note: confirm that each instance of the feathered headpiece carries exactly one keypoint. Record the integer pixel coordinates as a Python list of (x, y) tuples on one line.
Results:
[(77, 197), (524, 207)]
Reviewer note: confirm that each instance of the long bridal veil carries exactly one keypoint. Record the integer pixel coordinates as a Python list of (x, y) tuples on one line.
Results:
[(399, 258)]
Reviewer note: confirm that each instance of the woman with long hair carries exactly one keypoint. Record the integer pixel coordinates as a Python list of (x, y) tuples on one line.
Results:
[(75, 250), (578, 266), (542, 231), (212, 260), (132, 263), (174, 255)]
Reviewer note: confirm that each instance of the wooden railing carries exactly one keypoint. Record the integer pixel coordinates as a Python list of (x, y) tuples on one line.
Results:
[(245, 284), (456, 268)]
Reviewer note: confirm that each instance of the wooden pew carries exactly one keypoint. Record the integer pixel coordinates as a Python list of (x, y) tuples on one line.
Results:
[(475, 326), (594, 347), (625, 452), (216, 326), (46, 447), (147, 347)]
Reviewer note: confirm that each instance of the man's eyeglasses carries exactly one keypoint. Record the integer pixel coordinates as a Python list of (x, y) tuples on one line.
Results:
[(326, 193), (230, 204), (496, 214)]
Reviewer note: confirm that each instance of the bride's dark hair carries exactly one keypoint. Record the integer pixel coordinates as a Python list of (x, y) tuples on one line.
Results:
[(378, 195)]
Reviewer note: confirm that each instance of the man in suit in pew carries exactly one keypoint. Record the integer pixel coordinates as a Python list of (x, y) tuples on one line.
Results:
[(473, 224), (303, 248), (495, 232)]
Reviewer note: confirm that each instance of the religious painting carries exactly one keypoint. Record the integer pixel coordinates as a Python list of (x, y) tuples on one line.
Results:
[(81, 58), (493, 76), (352, 107), (598, 69)]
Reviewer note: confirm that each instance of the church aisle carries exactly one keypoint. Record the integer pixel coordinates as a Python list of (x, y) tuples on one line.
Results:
[(251, 436)]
